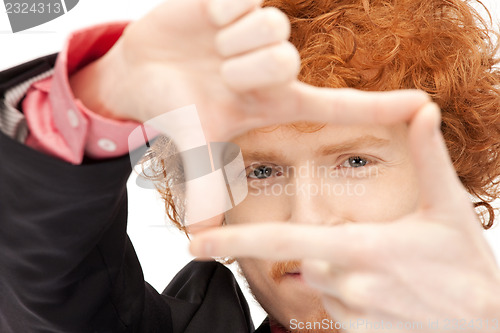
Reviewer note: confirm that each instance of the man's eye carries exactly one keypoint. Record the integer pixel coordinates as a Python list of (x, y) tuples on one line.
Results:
[(262, 172), (355, 162)]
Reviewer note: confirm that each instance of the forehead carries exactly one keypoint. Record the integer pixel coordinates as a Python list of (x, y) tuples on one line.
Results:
[(308, 140)]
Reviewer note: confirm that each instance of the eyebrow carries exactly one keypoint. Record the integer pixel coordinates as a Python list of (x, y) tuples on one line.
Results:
[(367, 141), (263, 156)]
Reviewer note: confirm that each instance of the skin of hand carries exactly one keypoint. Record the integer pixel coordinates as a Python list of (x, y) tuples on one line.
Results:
[(432, 265), (233, 61)]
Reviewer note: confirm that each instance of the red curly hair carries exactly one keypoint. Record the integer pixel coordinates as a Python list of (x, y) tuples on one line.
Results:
[(443, 47)]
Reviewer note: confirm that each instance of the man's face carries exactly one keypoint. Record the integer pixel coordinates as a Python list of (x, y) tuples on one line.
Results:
[(332, 176)]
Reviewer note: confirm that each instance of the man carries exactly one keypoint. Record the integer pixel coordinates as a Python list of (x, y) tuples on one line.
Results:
[(402, 246)]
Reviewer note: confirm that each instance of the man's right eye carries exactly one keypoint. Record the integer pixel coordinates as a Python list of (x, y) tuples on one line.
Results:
[(262, 172)]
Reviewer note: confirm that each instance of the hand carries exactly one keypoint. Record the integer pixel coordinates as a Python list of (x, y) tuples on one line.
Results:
[(433, 264), (232, 60)]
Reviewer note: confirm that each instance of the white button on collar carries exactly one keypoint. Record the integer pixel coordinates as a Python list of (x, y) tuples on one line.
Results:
[(107, 145), (73, 118)]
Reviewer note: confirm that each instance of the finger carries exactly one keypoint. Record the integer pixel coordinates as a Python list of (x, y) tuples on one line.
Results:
[(355, 289), (441, 192), (223, 12), (340, 106), (342, 246), (347, 106), (320, 274), (258, 29), (268, 67), (339, 312), (345, 318)]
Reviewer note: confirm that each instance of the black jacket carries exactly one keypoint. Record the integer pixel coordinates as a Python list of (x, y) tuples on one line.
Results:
[(67, 264)]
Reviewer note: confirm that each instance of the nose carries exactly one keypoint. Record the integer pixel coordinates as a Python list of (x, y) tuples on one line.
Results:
[(312, 203)]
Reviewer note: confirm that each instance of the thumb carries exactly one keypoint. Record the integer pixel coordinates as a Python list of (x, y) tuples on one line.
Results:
[(441, 192)]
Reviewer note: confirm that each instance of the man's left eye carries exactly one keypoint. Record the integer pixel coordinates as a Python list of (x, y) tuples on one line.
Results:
[(355, 162)]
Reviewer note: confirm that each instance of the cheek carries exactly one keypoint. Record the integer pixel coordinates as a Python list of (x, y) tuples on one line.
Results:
[(252, 268), (255, 273), (390, 195), (259, 207)]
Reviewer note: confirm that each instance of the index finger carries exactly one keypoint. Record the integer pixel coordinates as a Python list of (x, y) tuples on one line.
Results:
[(342, 244), (347, 106)]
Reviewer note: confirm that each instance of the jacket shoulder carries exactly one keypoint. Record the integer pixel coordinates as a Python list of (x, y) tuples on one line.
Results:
[(20, 73)]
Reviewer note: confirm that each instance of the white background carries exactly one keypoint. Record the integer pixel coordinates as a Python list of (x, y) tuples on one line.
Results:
[(162, 250)]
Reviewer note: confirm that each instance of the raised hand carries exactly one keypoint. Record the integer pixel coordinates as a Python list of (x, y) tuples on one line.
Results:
[(231, 59), (431, 267)]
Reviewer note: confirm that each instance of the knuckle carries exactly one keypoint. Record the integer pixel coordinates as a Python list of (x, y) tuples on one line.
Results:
[(281, 247), (314, 274), (222, 43), (274, 24), (359, 290), (340, 105), (378, 111), (284, 62), (367, 250)]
